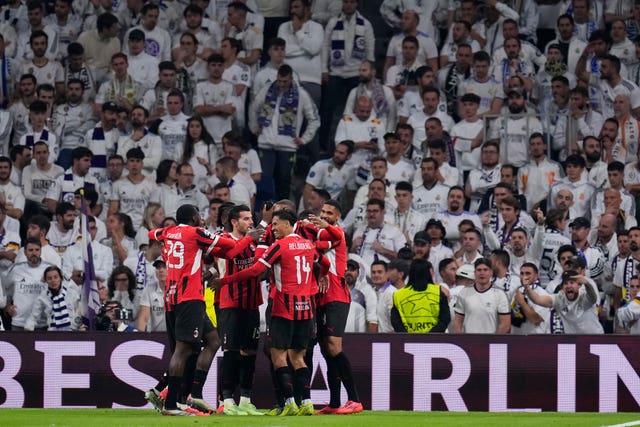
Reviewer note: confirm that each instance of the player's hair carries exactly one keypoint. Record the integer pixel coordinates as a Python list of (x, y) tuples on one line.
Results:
[(286, 215), (149, 6), (276, 42), (186, 214), (334, 204), (576, 160), (410, 39), (75, 49), (286, 204), (234, 212), (28, 76)]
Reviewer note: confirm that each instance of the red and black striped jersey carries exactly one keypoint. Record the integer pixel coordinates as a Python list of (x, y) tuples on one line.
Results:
[(338, 290), (291, 261), (239, 294), (183, 250), (306, 230)]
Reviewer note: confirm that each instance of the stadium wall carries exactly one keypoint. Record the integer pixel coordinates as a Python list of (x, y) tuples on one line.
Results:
[(408, 372)]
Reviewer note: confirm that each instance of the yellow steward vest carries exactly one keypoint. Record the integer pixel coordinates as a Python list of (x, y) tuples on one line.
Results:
[(419, 310)]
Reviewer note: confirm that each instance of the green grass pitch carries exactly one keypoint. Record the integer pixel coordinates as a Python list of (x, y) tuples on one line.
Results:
[(138, 418)]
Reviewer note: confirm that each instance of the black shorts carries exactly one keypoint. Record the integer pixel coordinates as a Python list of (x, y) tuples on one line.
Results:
[(239, 329), (188, 322), (332, 319), (287, 334)]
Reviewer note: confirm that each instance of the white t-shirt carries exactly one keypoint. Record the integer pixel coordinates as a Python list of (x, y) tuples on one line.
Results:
[(481, 310)]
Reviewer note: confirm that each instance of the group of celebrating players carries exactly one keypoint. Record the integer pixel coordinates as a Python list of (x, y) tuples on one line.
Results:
[(308, 300)]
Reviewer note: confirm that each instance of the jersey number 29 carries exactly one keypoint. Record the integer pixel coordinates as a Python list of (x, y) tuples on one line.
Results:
[(175, 254)]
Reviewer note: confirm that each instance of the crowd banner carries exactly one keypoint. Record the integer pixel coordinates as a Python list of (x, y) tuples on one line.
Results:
[(496, 373)]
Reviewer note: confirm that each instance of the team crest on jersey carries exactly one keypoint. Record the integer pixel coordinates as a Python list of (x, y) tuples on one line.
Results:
[(152, 47), (196, 333)]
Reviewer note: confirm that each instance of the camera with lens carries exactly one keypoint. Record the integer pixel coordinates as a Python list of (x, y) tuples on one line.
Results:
[(111, 314)]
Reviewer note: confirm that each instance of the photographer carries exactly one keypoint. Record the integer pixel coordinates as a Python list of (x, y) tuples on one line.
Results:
[(122, 288), (113, 318)]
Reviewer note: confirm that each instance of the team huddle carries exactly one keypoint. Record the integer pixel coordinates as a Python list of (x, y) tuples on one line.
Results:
[(308, 300)]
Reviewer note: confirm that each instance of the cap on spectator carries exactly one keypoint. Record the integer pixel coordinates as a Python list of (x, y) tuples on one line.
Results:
[(567, 275), (110, 106), (437, 223), (136, 35), (135, 153), (467, 271), (515, 90), (240, 6), (421, 238), (580, 222), (353, 265)]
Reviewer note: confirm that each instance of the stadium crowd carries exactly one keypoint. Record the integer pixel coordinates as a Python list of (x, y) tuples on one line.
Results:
[(504, 154)]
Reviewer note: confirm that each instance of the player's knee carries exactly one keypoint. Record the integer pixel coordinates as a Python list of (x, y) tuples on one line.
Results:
[(333, 346)]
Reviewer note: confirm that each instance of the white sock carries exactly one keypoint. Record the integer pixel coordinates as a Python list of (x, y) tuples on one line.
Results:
[(229, 402), (245, 400), (305, 401), (290, 401)]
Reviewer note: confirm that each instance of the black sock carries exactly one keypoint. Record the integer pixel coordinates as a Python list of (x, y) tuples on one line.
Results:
[(230, 374), (247, 371), (286, 384), (333, 380), (162, 382), (347, 377), (276, 385), (187, 377), (172, 393), (302, 378), (308, 356), (199, 378)]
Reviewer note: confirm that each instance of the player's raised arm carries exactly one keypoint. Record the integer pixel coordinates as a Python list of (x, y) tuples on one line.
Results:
[(155, 234)]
